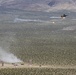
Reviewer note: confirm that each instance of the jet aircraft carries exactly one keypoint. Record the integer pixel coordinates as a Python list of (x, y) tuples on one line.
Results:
[(63, 16)]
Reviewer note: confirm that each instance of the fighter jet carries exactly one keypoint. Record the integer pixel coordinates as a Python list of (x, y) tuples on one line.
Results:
[(63, 16)]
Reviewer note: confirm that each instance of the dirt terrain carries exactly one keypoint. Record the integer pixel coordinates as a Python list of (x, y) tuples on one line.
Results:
[(7, 65)]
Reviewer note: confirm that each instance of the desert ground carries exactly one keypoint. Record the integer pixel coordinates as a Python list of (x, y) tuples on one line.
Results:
[(25, 65)]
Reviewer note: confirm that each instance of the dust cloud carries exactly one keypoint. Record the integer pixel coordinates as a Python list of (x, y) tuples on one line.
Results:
[(8, 57)]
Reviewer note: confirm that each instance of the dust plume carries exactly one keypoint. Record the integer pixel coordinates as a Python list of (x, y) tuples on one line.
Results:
[(8, 57)]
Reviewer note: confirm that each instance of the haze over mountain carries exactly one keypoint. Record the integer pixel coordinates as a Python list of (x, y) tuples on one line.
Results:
[(38, 5)]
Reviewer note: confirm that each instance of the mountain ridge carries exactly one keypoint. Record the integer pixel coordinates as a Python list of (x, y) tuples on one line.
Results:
[(34, 5)]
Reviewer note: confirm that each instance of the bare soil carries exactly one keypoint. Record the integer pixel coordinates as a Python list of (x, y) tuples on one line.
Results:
[(7, 65)]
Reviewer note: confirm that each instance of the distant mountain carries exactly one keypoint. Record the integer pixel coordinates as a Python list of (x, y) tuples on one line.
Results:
[(39, 5)]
